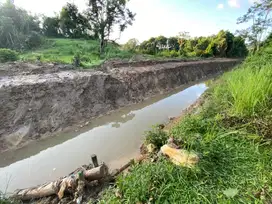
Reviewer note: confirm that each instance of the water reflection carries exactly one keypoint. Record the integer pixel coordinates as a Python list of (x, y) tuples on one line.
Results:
[(115, 119), (123, 119), (115, 138)]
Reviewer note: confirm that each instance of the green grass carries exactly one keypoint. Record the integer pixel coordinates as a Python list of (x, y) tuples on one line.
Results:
[(63, 51), (247, 91), (232, 134), (4, 200)]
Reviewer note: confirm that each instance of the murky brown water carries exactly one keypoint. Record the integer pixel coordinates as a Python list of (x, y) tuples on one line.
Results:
[(115, 138)]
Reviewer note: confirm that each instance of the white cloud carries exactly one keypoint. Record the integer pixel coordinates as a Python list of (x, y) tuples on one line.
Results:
[(253, 1), (234, 3), (220, 6)]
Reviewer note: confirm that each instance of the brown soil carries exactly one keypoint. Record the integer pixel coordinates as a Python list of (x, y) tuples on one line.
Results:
[(37, 100)]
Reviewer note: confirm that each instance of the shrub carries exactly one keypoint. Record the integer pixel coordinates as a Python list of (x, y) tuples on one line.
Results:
[(33, 40), (156, 137), (167, 53), (77, 59), (7, 55), (174, 53), (131, 45)]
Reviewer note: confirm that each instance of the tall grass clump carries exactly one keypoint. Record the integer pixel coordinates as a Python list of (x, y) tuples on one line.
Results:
[(247, 91)]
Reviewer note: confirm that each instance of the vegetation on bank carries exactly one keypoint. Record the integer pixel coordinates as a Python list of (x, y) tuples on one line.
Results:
[(232, 134), (82, 37), (224, 44), (65, 50)]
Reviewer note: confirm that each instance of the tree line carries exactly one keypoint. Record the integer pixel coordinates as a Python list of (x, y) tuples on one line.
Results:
[(20, 31), (224, 44)]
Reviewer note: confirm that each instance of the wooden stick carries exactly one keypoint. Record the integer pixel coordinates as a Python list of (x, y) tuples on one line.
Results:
[(94, 160)]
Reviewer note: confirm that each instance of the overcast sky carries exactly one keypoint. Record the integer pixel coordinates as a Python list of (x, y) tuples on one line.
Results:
[(163, 17)]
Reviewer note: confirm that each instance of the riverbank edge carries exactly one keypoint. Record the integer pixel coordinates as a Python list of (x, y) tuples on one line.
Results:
[(129, 85), (144, 155), (245, 152)]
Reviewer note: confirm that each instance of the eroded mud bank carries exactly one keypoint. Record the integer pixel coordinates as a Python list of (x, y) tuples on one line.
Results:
[(36, 105)]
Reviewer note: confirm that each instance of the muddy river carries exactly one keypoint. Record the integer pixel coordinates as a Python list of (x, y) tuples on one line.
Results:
[(114, 138)]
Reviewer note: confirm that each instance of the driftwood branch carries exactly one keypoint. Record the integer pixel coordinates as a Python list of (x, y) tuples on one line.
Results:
[(60, 186)]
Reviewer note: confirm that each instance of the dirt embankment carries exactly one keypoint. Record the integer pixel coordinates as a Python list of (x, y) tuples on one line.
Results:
[(40, 102)]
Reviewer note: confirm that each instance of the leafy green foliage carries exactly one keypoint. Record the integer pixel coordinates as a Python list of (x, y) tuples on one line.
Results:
[(15, 26), (76, 59), (33, 40), (64, 50), (51, 27), (7, 55), (169, 54), (104, 14), (69, 23), (72, 23), (156, 137), (131, 45), (224, 44), (259, 14)]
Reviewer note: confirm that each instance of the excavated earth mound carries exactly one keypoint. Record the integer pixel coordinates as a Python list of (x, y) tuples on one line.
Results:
[(40, 99)]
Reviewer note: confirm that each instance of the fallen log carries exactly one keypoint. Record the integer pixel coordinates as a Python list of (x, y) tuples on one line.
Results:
[(69, 183)]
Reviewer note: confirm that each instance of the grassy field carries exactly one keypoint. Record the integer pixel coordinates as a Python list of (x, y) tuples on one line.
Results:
[(232, 134), (64, 50)]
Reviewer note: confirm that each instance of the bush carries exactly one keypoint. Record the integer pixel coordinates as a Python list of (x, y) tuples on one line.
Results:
[(7, 55), (168, 53), (131, 45), (157, 137), (33, 40), (77, 59)]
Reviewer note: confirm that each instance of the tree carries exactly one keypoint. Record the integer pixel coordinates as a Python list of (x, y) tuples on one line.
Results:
[(225, 44), (72, 23), (173, 43), (161, 42), (149, 46), (103, 15), (51, 27), (239, 47), (15, 26), (201, 47), (260, 15), (131, 44)]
